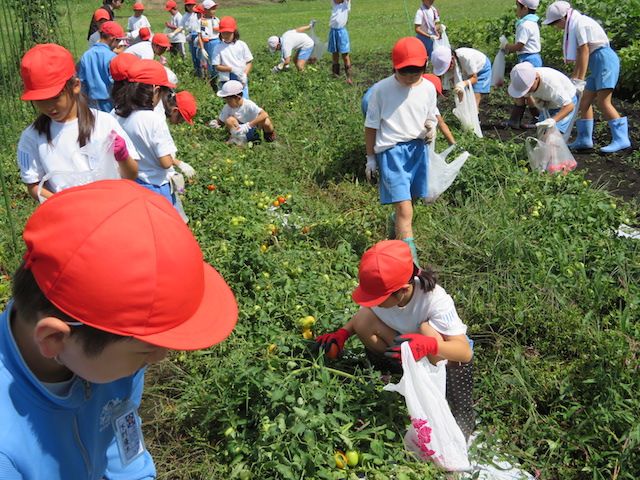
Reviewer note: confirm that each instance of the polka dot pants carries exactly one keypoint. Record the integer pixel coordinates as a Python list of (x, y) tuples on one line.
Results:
[(460, 395)]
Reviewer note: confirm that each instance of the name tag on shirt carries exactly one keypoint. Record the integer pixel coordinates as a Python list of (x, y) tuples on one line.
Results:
[(128, 431)]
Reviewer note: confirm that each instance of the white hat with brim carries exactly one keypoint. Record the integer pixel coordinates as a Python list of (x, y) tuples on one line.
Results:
[(532, 4), (555, 12), (232, 87), (522, 77), (441, 59), (273, 42)]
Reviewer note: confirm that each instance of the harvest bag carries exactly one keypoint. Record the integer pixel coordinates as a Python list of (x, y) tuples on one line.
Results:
[(497, 69), (550, 153), (319, 47), (466, 110), (434, 434), (442, 174)]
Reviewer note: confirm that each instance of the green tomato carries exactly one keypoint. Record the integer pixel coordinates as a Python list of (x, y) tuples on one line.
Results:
[(352, 458)]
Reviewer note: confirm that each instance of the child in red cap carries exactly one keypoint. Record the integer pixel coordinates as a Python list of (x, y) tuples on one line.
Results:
[(191, 26), (65, 125), (95, 301), (108, 6), (208, 39), (400, 122), (174, 29), (100, 16), (180, 107), (137, 21), (232, 57), (403, 303)]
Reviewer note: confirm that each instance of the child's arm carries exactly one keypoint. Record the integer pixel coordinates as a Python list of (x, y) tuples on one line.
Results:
[(582, 60), (32, 188), (455, 348), (262, 116), (514, 47), (165, 161), (303, 29), (444, 128)]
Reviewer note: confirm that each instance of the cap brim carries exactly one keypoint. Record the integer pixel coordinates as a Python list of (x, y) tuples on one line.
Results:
[(272, 49), (44, 93), (516, 93), (364, 299), (211, 324), (440, 71)]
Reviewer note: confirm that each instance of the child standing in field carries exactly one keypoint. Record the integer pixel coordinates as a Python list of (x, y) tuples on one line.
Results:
[(148, 48), (108, 6), (176, 30), (100, 16), (474, 66), (209, 38), (527, 45), (66, 123), (426, 25), (587, 44), (191, 25), (400, 122), (242, 117), (232, 57), (402, 303), (292, 41), (136, 22), (148, 131), (339, 43)]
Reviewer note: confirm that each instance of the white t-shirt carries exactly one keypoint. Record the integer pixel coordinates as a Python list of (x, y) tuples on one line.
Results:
[(207, 26), (235, 54), (427, 18), (176, 20), (151, 137), (398, 113), (528, 33), (339, 14), (142, 50), (133, 27), (292, 40), (555, 89), (247, 112), (36, 157), (93, 39), (589, 31), (471, 61), (190, 22), (435, 307)]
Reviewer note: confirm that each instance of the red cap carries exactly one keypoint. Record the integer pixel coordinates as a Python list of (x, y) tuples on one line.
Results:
[(113, 29), (150, 72), (138, 6), (186, 105), (384, 269), (190, 2), (120, 64), (227, 24), (161, 39), (144, 33), (101, 14), (169, 5), (45, 69), (127, 264), (198, 9), (409, 52), (435, 80)]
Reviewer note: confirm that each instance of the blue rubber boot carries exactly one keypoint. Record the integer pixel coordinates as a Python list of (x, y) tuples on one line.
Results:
[(620, 133), (585, 135)]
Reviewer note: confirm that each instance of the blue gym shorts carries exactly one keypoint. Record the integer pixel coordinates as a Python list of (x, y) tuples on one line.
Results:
[(564, 123), (304, 54), (164, 190), (533, 58), (604, 66), (252, 135), (403, 172), (484, 79), (339, 40)]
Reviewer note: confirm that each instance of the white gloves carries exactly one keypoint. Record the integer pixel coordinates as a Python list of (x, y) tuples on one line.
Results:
[(277, 68), (312, 23), (459, 88), (243, 128), (205, 55), (240, 75), (503, 42), (579, 84), (431, 132), (187, 169), (544, 124), (371, 167)]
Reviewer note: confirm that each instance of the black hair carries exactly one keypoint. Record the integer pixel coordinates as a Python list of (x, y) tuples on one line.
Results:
[(236, 35), (412, 69), (30, 305), (427, 277), (132, 96), (86, 119), (169, 102), (529, 10)]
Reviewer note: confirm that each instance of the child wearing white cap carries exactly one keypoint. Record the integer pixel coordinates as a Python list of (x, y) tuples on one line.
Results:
[(475, 68), (586, 44), (527, 45), (552, 91), (292, 40)]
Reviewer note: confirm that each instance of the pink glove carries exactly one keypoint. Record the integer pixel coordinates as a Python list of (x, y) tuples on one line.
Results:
[(421, 345), (120, 150), (325, 341)]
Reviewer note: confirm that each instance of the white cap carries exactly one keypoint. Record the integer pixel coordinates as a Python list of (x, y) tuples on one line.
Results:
[(173, 78), (532, 4), (209, 4), (522, 77), (273, 42), (441, 59), (556, 11), (232, 87)]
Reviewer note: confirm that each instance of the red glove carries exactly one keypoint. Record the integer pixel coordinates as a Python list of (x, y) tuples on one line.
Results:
[(328, 339), (120, 150), (421, 345)]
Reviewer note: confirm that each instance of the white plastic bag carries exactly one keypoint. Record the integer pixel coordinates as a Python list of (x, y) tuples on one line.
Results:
[(497, 69), (467, 112), (442, 174), (319, 47), (550, 153), (94, 161), (443, 41), (434, 434)]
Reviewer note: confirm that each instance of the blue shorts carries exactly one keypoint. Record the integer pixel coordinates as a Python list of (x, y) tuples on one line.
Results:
[(253, 135), (564, 123), (604, 66), (304, 54), (339, 41), (403, 172), (484, 79), (428, 44), (533, 58), (164, 190)]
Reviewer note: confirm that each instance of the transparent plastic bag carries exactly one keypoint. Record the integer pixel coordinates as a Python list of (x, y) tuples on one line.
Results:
[(550, 153), (434, 434), (94, 161), (442, 174), (466, 110), (319, 47), (443, 41), (497, 69)]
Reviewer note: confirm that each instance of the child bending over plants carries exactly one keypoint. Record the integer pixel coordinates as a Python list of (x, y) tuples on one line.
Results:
[(403, 303)]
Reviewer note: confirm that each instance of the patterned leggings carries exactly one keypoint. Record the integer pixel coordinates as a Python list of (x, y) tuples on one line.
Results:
[(460, 395)]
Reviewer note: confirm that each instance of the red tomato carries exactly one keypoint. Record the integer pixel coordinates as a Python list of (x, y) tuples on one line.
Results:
[(211, 187)]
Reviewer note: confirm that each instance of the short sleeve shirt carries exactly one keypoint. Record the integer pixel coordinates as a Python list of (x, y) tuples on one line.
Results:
[(292, 40), (236, 54), (247, 112), (339, 14), (471, 60), (427, 18), (528, 33), (555, 88), (589, 31)]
